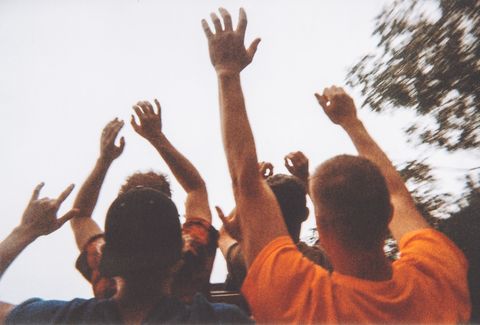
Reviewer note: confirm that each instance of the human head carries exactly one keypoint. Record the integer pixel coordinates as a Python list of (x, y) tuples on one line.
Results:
[(142, 235), (291, 196), (157, 181), (352, 202)]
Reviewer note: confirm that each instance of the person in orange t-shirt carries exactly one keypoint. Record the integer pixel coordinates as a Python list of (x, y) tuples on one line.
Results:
[(356, 200)]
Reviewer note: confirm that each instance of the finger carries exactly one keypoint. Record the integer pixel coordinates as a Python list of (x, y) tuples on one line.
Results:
[(143, 107), (122, 144), (36, 191), (149, 108), (67, 216), (242, 22), (216, 22), (118, 126), (206, 29), (65, 194), (322, 100), (159, 108), (253, 48), (138, 111), (134, 124), (221, 215), (227, 19), (288, 164)]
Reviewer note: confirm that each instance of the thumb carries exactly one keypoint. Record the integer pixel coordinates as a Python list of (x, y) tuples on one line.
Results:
[(67, 216), (122, 143), (253, 48)]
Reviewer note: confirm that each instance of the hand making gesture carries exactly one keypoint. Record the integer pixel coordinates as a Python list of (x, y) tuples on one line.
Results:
[(338, 105), (40, 216), (297, 164)]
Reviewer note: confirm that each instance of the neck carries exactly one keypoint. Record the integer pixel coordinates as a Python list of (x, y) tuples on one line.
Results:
[(137, 298), (370, 265)]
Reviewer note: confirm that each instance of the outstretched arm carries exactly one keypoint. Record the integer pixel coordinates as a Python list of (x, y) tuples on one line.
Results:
[(187, 175), (83, 226), (40, 218), (260, 216), (341, 110)]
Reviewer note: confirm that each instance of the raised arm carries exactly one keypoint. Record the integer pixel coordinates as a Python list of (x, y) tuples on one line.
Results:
[(39, 218), (341, 110), (260, 215), (83, 226), (150, 127)]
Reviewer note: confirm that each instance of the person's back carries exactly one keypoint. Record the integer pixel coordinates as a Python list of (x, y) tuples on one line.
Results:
[(167, 310), (143, 248)]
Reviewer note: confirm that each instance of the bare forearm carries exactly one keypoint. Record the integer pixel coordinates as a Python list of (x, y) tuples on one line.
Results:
[(12, 246), (369, 149), (88, 194), (237, 134), (260, 215), (183, 170), (83, 226)]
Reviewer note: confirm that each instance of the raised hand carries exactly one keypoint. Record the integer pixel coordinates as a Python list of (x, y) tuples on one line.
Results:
[(338, 105), (40, 216), (265, 168), (297, 164), (108, 149), (231, 223), (150, 126), (227, 50)]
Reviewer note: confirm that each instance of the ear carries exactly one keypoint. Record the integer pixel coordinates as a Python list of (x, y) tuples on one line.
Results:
[(391, 213), (307, 213)]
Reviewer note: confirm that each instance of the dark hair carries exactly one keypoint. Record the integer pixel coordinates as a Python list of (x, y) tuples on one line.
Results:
[(291, 196), (157, 181), (354, 198)]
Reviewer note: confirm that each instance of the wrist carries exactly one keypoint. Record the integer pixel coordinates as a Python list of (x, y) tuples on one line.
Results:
[(158, 139), (227, 73), (351, 124), (24, 234), (104, 161)]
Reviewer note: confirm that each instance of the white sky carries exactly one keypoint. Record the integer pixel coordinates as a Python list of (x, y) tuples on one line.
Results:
[(68, 67)]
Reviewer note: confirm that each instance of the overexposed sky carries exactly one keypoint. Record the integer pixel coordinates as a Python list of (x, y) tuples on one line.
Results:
[(68, 67)]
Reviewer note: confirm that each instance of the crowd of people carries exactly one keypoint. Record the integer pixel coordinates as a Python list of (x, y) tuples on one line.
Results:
[(145, 267)]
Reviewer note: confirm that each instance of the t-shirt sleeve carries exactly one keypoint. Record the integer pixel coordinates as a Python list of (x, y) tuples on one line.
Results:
[(439, 259), (281, 281), (431, 248), (199, 249)]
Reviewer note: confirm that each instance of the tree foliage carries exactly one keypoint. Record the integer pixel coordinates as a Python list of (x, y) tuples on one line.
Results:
[(427, 61)]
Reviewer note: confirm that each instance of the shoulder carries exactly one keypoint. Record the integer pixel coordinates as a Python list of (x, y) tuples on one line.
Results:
[(204, 311), (430, 245), (78, 310)]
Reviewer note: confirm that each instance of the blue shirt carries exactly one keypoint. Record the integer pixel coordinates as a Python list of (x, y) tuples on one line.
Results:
[(93, 311)]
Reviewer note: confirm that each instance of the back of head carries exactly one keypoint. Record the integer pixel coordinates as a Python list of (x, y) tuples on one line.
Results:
[(142, 234), (351, 199), (291, 196), (157, 181)]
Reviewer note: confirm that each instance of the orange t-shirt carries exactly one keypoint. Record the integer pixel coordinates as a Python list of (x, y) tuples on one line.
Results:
[(429, 285)]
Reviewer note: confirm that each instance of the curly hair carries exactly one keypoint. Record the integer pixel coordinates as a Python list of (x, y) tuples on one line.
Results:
[(151, 179)]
